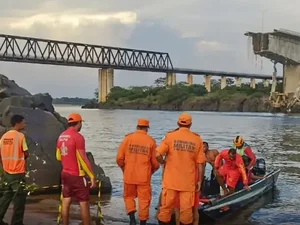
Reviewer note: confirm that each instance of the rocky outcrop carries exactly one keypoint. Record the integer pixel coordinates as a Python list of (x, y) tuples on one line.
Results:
[(234, 104), (43, 126), (206, 103)]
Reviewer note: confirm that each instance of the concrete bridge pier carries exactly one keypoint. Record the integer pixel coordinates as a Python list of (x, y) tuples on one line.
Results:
[(223, 82), (274, 82), (252, 82), (207, 83), (291, 78), (238, 81), (105, 83), (171, 79), (190, 79), (266, 83)]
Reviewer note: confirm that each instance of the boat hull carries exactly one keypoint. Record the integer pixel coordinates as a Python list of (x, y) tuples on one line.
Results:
[(214, 210)]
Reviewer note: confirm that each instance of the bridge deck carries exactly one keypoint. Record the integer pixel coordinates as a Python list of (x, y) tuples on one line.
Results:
[(281, 45), (44, 51), (223, 73), (53, 52)]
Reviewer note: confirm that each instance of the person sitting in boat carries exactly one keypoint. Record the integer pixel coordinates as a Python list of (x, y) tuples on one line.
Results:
[(243, 149), (251, 177), (210, 155), (231, 170)]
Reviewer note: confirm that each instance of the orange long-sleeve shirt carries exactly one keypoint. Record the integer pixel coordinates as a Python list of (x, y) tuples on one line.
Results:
[(236, 164), (136, 157)]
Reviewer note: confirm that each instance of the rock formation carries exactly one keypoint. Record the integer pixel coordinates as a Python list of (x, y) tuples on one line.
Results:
[(234, 104), (43, 126)]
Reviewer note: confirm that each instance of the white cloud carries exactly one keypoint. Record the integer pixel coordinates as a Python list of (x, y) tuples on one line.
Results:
[(209, 46), (199, 34), (73, 20)]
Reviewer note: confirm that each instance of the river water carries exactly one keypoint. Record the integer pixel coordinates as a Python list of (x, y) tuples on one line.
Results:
[(274, 137)]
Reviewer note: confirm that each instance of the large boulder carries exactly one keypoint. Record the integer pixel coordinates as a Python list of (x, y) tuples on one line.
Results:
[(10, 88), (43, 126)]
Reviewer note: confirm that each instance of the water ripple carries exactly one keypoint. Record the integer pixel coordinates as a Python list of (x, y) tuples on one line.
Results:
[(274, 137)]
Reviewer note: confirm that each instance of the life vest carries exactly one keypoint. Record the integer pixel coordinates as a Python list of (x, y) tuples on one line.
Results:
[(12, 154), (241, 151)]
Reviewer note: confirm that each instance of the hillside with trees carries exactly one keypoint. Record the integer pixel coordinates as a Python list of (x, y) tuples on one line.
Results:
[(71, 101), (183, 97)]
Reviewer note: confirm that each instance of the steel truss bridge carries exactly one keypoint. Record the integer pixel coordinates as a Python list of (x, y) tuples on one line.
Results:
[(44, 51)]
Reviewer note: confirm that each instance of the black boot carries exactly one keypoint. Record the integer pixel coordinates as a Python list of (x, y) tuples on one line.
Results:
[(163, 223), (132, 218), (143, 222)]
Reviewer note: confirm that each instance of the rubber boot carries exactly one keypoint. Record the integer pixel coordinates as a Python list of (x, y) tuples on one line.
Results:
[(163, 223), (143, 222), (132, 218)]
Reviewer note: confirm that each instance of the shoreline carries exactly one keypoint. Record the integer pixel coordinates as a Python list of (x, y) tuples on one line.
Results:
[(43, 210), (235, 104)]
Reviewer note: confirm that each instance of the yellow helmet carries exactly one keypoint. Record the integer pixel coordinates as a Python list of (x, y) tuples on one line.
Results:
[(238, 141)]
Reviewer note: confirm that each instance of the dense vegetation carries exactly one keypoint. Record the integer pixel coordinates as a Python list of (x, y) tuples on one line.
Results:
[(71, 101), (160, 94)]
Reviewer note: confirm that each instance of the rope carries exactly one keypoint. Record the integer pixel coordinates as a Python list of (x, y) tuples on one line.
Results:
[(59, 208), (99, 220), (31, 188)]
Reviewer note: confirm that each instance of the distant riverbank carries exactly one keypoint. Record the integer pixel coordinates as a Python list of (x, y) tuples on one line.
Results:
[(71, 101), (235, 104), (182, 97)]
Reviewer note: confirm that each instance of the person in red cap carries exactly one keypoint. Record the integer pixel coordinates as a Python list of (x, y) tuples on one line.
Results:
[(75, 166), (136, 158), (185, 155)]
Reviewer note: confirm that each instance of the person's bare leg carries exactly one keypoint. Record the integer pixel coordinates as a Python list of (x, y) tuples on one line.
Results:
[(85, 213), (221, 182), (66, 202), (196, 216), (177, 216)]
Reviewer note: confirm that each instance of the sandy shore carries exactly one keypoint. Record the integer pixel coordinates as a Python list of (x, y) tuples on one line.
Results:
[(43, 210)]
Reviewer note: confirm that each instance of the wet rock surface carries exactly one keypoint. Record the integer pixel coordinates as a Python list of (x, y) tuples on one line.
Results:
[(43, 126)]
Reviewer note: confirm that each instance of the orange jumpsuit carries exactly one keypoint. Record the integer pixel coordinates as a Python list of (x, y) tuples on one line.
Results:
[(184, 149), (232, 170), (136, 157)]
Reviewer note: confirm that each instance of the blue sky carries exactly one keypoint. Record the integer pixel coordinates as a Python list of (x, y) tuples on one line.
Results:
[(200, 34)]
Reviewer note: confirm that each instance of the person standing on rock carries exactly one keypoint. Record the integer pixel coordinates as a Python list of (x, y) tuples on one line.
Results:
[(136, 158), (75, 166), (13, 153), (185, 154)]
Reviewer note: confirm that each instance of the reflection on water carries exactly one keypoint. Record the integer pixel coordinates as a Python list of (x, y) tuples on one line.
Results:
[(274, 137)]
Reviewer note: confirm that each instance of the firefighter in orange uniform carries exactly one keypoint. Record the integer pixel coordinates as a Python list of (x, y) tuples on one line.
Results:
[(13, 153), (136, 158), (185, 154)]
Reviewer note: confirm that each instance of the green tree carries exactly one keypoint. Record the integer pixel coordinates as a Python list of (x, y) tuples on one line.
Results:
[(96, 94), (229, 81), (215, 84), (160, 82)]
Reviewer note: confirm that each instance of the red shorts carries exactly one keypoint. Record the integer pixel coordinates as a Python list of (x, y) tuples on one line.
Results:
[(196, 201), (231, 176), (75, 187)]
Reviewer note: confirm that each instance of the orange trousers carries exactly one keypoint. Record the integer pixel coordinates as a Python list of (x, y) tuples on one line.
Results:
[(168, 200), (143, 193)]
